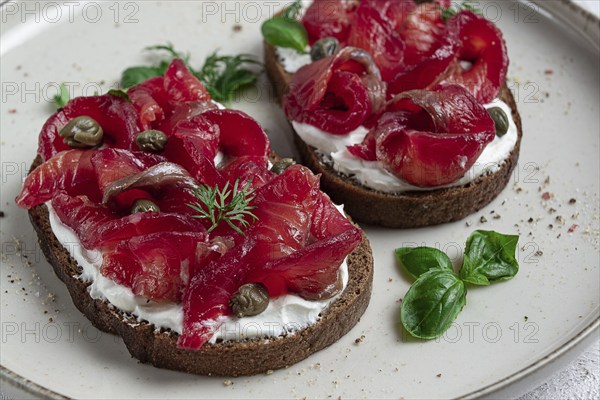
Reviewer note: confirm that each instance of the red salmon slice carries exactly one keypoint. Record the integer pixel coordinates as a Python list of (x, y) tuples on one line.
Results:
[(71, 171), (154, 265)]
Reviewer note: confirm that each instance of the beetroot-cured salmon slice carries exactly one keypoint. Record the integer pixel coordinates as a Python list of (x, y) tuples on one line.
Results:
[(71, 171), (154, 266)]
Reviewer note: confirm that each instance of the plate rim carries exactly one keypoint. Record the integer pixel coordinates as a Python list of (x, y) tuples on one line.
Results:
[(591, 33)]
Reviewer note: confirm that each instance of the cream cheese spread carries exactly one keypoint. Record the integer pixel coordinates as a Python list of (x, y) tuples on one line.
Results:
[(284, 315)]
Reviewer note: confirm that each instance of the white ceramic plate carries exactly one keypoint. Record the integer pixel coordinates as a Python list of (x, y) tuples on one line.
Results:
[(507, 336)]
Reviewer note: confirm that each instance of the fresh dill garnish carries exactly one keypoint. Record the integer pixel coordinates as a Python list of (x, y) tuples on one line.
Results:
[(222, 75), (231, 205), (449, 12)]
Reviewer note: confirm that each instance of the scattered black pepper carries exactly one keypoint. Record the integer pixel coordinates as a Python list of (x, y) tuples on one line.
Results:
[(572, 201), (483, 219), (539, 253), (439, 375), (530, 220), (237, 28), (2, 214), (526, 318)]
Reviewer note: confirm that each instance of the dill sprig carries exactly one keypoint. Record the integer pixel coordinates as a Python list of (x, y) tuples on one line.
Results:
[(223, 76), (231, 205)]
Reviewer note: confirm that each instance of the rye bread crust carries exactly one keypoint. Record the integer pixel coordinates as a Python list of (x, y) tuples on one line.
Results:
[(159, 347), (408, 209)]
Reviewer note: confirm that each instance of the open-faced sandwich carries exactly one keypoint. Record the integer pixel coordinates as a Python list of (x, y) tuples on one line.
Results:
[(402, 106), (174, 226)]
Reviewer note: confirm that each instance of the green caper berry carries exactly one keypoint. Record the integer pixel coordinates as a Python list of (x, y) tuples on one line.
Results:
[(250, 299), (143, 205), (324, 48), (500, 120), (151, 140), (281, 165), (82, 132)]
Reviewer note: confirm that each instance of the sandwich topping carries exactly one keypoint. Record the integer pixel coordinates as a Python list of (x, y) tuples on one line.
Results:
[(410, 112), (176, 209)]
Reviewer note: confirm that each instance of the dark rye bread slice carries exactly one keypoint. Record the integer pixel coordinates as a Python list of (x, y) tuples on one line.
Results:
[(407, 209), (232, 358)]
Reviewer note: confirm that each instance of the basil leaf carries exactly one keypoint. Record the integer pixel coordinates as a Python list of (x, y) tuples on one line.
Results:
[(134, 75), (489, 257), (62, 97), (418, 260), (285, 32), (432, 303)]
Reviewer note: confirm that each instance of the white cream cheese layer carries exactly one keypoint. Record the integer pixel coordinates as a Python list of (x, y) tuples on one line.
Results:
[(291, 60), (284, 315), (372, 174)]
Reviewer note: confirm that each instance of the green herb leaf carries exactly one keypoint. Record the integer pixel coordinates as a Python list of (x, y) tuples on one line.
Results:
[(489, 256), (62, 97), (432, 303), (285, 32), (134, 75), (229, 205), (224, 76), (119, 93), (418, 260)]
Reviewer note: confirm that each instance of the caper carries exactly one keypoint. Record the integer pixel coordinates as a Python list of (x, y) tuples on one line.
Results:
[(151, 140), (281, 165), (82, 132), (324, 48), (143, 205), (250, 299), (500, 120)]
